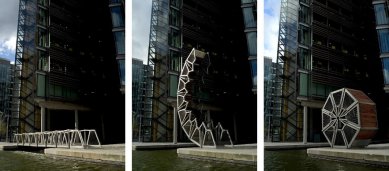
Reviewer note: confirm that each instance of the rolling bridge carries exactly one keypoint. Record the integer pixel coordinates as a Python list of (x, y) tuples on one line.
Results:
[(70, 138)]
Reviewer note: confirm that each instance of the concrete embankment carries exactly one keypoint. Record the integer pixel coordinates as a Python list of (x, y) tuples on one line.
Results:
[(374, 154)]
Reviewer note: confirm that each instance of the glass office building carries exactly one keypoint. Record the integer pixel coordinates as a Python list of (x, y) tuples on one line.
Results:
[(222, 82), (323, 45), (66, 75)]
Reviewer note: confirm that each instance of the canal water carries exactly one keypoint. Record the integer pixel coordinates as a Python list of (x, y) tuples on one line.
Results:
[(298, 160), (26, 161), (168, 160)]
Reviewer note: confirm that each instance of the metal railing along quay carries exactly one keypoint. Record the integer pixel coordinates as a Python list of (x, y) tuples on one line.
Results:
[(64, 138)]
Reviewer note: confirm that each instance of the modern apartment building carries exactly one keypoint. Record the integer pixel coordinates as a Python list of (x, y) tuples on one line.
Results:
[(66, 72), (222, 87), (323, 45)]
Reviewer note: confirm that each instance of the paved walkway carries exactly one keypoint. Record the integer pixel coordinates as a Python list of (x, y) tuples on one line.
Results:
[(243, 154), (292, 145), (159, 146), (376, 154)]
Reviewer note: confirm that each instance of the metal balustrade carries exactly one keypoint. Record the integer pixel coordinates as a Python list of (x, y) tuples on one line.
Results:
[(70, 138)]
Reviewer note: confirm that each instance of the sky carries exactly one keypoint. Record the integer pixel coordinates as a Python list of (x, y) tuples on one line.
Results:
[(271, 23), (8, 24), (141, 15)]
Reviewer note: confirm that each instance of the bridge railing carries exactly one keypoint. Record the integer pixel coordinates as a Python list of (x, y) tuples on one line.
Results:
[(64, 138)]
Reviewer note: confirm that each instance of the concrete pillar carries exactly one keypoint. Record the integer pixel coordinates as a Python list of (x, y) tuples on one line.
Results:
[(43, 119), (174, 126), (305, 122), (75, 119), (48, 119)]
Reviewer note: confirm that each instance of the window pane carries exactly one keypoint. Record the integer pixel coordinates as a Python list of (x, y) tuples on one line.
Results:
[(173, 85), (119, 40), (42, 38), (117, 16), (383, 36), (174, 63), (43, 63), (175, 3), (252, 43), (304, 59), (122, 71), (304, 35), (385, 66), (249, 15), (303, 84), (41, 88), (174, 17), (304, 14), (253, 64), (381, 14), (42, 17), (174, 38)]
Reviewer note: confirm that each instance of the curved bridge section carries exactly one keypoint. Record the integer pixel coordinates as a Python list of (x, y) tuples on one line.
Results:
[(198, 133)]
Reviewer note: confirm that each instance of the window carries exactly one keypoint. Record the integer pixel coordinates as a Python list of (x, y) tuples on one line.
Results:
[(250, 15), (174, 59), (381, 14), (42, 2), (41, 85), (383, 37), (42, 17), (304, 59), (304, 14), (253, 64), (174, 17), (175, 3), (42, 37), (119, 41), (252, 43), (117, 16), (303, 84), (122, 71), (174, 38), (43, 63), (173, 84), (304, 35), (385, 67)]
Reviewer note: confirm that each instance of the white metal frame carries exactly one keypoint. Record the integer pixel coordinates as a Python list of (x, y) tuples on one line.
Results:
[(200, 135), (70, 138)]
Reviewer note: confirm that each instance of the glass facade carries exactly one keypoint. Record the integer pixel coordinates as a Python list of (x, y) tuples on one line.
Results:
[(252, 43), (253, 64), (117, 16), (119, 42), (174, 58), (250, 15), (304, 15), (43, 63), (174, 18), (122, 71), (304, 59), (304, 80), (41, 85), (174, 38), (173, 84), (385, 68), (383, 38), (304, 35), (381, 14)]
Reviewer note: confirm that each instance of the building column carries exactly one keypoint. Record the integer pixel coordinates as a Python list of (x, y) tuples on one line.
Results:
[(174, 126), (75, 119), (305, 122), (43, 119)]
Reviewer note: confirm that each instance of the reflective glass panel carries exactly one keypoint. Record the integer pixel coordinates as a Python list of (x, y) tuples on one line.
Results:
[(119, 40), (303, 84), (385, 66), (383, 37), (304, 35), (41, 86), (174, 17), (381, 14), (253, 64), (174, 38), (173, 82), (122, 71), (304, 59), (304, 14), (117, 16), (249, 15), (174, 63), (252, 43)]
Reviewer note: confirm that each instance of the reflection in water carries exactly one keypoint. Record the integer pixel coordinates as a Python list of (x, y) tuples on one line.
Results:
[(33, 161), (298, 160), (168, 160)]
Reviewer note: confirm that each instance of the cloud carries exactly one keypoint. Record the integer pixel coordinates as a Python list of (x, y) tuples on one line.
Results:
[(272, 17), (141, 15), (9, 18)]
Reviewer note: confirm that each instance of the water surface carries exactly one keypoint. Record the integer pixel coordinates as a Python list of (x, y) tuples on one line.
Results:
[(298, 160), (168, 160), (26, 161)]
